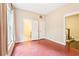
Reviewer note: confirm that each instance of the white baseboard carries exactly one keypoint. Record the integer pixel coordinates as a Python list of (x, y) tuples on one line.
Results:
[(49, 37), (19, 41), (58, 42), (52, 39), (23, 40)]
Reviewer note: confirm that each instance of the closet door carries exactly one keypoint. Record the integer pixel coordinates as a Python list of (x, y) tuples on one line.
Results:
[(41, 29), (34, 30)]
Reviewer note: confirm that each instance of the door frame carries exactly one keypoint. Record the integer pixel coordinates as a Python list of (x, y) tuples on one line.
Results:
[(37, 29), (30, 21), (66, 15)]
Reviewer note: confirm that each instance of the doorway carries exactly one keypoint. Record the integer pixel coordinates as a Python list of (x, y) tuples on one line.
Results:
[(72, 30), (30, 30), (27, 29), (35, 30)]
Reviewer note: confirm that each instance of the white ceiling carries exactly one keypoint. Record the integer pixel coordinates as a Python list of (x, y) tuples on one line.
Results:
[(41, 8)]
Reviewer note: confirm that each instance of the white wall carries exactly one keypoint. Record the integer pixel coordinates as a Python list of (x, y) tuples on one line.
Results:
[(55, 22), (20, 16)]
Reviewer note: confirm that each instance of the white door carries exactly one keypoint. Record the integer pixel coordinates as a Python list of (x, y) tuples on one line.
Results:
[(41, 29), (34, 30)]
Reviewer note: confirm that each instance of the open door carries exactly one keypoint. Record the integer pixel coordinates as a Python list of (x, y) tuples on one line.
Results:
[(27, 29)]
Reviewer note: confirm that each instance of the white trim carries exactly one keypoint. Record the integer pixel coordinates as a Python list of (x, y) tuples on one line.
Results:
[(59, 42), (66, 15), (20, 41), (71, 13), (52, 39)]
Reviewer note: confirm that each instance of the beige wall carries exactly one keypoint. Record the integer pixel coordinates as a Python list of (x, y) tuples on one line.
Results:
[(72, 23), (3, 27), (20, 16), (55, 22)]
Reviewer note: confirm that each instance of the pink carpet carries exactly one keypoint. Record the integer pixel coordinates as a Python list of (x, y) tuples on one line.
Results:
[(42, 48)]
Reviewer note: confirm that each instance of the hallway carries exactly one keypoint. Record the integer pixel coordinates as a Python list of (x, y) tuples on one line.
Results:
[(42, 47)]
